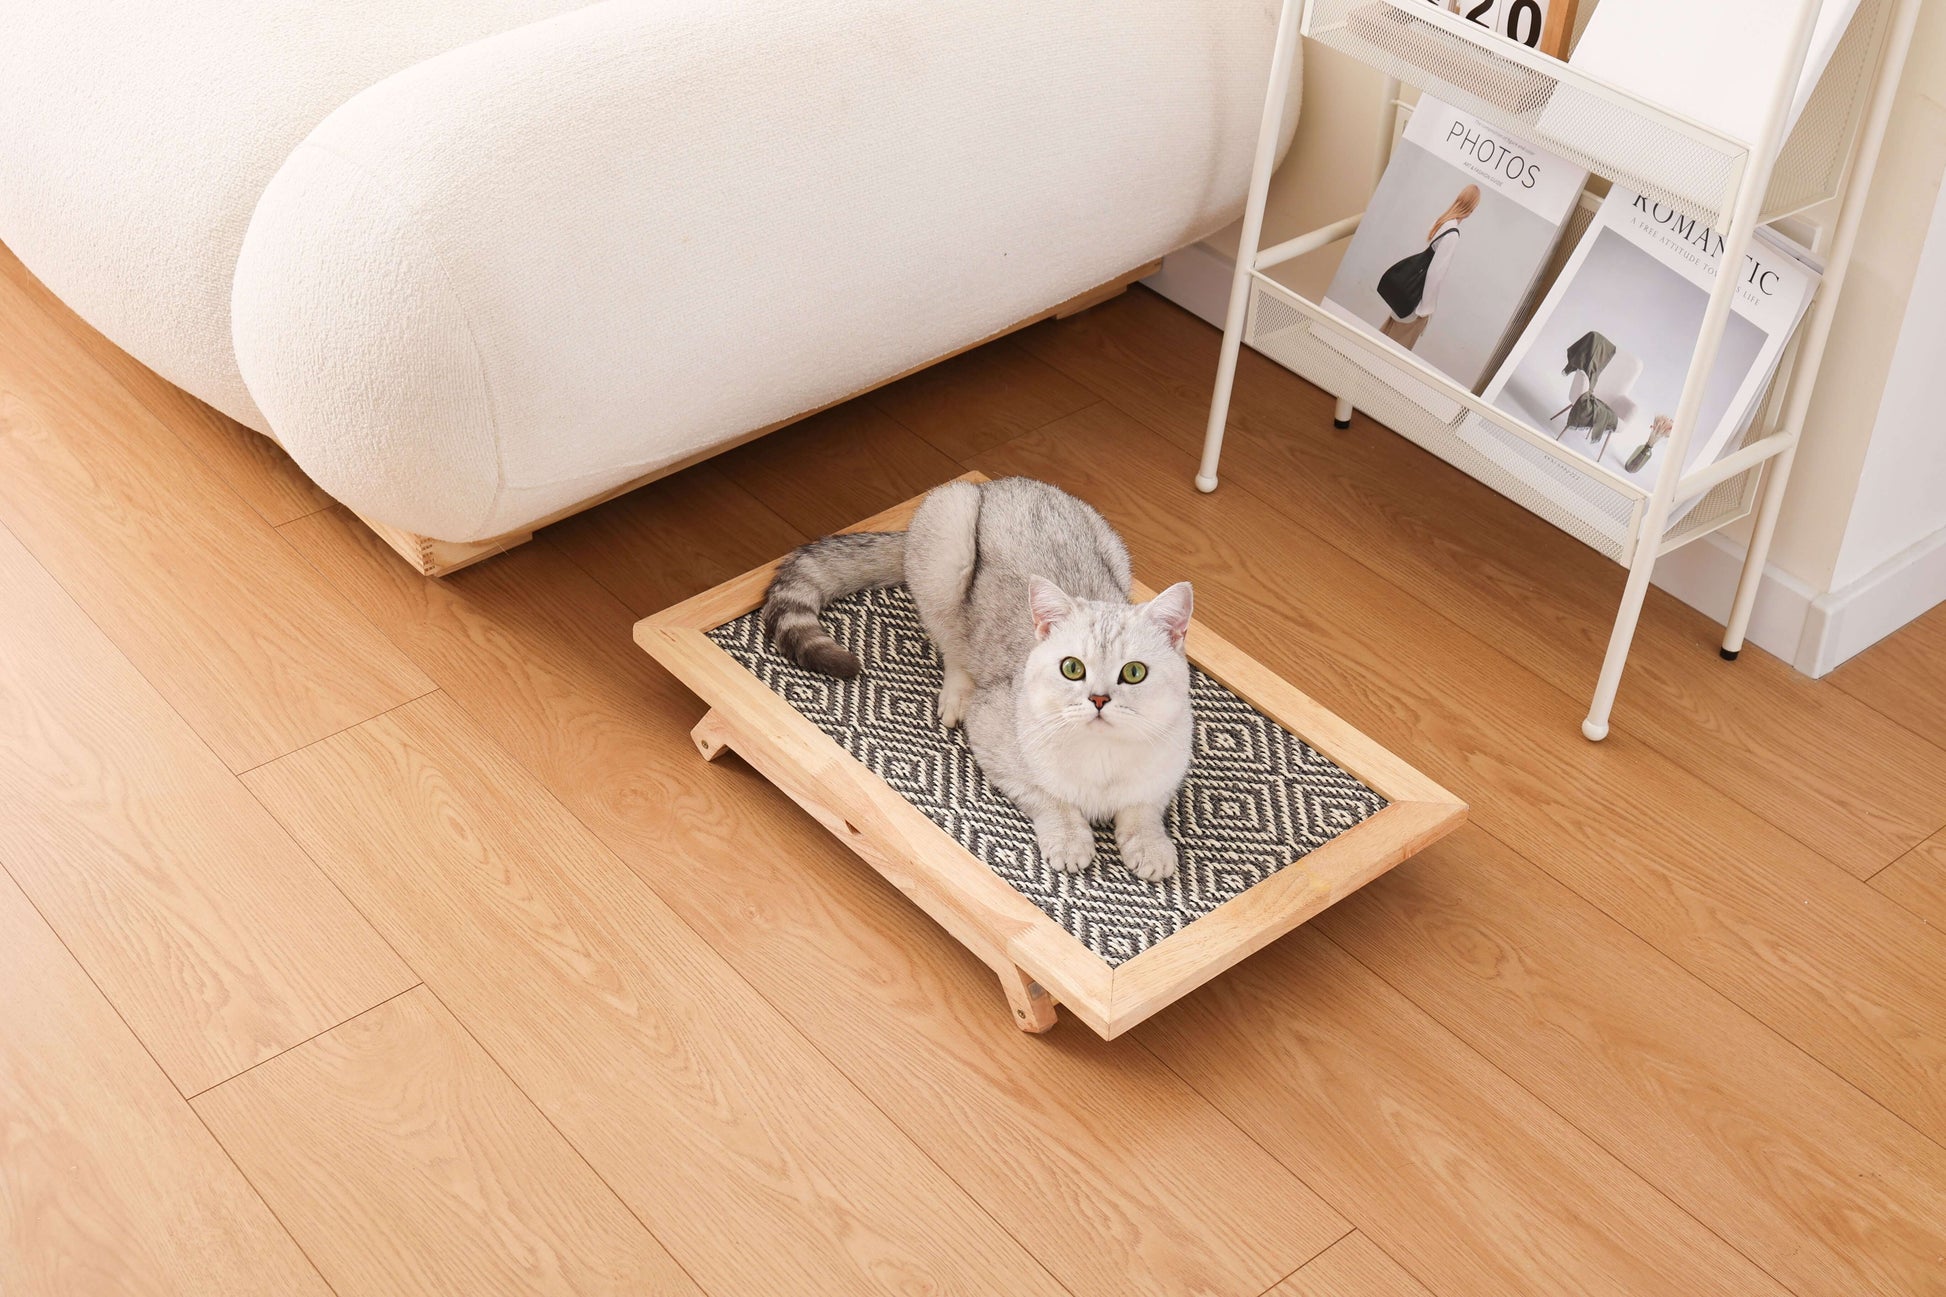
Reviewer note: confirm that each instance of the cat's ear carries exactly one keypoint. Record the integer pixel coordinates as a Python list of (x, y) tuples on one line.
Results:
[(1171, 609), (1049, 604)]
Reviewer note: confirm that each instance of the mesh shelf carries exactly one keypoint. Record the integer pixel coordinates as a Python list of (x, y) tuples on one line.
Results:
[(1605, 129), (1439, 416), (1812, 165), (1722, 505)]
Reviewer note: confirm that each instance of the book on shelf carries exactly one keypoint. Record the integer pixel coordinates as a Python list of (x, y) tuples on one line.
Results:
[(1600, 366), (1716, 63), (1453, 241)]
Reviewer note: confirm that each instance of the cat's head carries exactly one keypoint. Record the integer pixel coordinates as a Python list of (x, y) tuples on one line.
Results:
[(1113, 669)]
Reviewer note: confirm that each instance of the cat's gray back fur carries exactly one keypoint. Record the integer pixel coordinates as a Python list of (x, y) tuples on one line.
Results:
[(971, 549), (1100, 730)]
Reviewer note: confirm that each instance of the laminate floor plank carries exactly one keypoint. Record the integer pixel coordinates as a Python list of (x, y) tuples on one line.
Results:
[(255, 467), (759, 1166), (406, 1163), (1862, 792), (1110, 1170), (1822, 1187), (242, 638), (213, 935), (661, 544), (1831, 964), (1451, 1168), (1917, 881), (109, 1184), (1901, 676), (981, 398), (1352, 1267), (834, 468)]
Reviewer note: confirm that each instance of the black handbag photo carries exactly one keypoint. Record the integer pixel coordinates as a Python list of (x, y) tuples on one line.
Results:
[(1403, 284)]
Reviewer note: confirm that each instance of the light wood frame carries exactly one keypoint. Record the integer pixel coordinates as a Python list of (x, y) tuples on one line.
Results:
[(1039, 963), (1557, 32), (432, 557)]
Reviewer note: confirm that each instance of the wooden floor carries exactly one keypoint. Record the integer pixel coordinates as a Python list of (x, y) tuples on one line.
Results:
[(361, 933)]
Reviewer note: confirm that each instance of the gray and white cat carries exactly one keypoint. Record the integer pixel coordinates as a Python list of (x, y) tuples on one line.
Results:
[(1075, 702)]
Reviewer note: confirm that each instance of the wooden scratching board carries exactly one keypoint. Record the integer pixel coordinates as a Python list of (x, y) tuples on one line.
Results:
[(1286, 810)]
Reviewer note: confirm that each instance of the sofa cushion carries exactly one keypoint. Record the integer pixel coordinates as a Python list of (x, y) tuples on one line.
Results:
[(557, 259), (137, 135)]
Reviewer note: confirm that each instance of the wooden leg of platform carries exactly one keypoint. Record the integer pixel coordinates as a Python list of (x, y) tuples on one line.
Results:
[(712, 736), (1033, 1007)]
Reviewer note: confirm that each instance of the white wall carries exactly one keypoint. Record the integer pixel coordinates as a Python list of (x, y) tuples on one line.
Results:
[(1871, 316), (1901, 499), (1330, 169)]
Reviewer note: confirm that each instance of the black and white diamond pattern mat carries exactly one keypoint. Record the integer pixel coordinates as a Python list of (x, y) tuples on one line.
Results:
[(1257, 798)]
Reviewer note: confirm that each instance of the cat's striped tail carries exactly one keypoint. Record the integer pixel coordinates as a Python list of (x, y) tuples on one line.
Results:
[(815, 575)]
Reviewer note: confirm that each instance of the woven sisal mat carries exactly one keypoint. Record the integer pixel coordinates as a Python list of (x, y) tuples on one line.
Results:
[(1257, 800)]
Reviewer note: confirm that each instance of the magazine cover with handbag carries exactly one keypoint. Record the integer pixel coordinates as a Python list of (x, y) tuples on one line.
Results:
[(1454, 239)]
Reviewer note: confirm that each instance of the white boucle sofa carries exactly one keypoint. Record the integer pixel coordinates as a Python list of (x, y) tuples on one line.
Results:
[(477, 263)]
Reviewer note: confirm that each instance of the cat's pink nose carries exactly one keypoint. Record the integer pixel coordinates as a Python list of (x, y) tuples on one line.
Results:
[(1099, 700)]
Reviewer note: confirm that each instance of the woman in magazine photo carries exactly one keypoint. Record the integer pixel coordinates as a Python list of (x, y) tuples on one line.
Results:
[(1410, 287)]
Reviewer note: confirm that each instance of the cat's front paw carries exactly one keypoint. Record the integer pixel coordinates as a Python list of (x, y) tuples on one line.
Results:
[(1068, 846), (954, 696), (1151, 857)]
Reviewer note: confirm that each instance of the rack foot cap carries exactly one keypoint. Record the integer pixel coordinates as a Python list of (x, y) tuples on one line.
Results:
[(1594, 733), (1728, 655), (1341, 425), (1205, 483)]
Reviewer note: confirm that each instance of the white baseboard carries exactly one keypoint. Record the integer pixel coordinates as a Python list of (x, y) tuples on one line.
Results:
[(1852, 619), (1813, 632), (1816, 633), (1703, 574), (1198, 280)]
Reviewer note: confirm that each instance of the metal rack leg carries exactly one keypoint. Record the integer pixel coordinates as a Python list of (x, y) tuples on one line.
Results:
[(1341, 414), (1648, 536), (1226, 375), (1752, 186), (1247, 242), (1595, 727), (1844, 236), (1768, 507)]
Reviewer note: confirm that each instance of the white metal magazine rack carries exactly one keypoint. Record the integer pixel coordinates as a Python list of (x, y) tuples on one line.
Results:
[(1733, 186)]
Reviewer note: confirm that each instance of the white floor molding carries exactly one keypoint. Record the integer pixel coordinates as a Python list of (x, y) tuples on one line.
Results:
[(1198, 280), (1849, 621), (1815, 633), (1703, 574)]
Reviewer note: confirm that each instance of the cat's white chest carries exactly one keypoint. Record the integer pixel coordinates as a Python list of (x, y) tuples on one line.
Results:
[(1100, 775)]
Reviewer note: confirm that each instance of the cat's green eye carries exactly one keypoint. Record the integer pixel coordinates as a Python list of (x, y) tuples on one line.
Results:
[(1072, 668), (1133, 673)]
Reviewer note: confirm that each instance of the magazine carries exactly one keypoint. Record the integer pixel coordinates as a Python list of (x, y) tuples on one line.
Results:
[(1600, 367), (1453, 241)]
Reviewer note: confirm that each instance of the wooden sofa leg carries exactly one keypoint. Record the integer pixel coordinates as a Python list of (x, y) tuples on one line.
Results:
[(1032, 1006), (1103, 292), (432, 557)]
